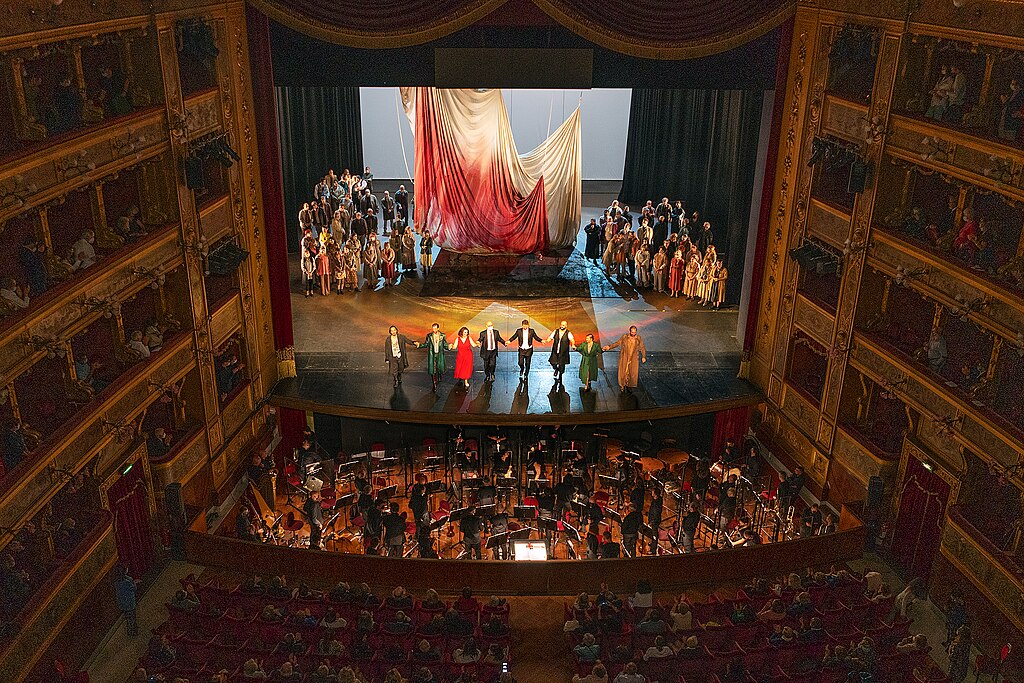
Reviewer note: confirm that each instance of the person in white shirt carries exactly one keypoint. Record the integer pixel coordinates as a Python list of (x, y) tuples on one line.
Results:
[(14, 296), (630, 675), (644, 596), (83, 254), (658, 650), (138, 346)]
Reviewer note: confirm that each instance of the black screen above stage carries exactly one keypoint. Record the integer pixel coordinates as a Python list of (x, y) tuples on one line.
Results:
[(300, 60)]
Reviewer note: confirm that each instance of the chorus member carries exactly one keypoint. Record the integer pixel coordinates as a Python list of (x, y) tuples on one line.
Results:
[(642, 259), (704, 281), (308, 264), (675, 274), (464, 355), (646, 235), (372, 223), (692, 276), (426, 252), (490, 338), (561, 340), (387, 265), (593, 248), (394, 353), (621, 254), (721, 276), (305, 219), (659, 268), (408, 252), (323, 271), (525, 337), (589, 351), (611, 244), (337, 259), (371, 263), (661, 231), (402, 203), (351, 261), (632, 354), (358, 228), (387, 211)]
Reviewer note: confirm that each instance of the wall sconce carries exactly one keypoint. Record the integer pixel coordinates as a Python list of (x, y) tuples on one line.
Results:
[(108, 306), (892, 387), (851, 247), (904, 276), (198, 249), (178, 125), (947, 426), (122, 431), (874, 129), (156, 276), (936, 150), (16, 194), (53, 347), (60, 474), (966, 308)]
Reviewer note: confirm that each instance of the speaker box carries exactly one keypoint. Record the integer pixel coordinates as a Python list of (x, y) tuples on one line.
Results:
[(876, 489), (858, 177)]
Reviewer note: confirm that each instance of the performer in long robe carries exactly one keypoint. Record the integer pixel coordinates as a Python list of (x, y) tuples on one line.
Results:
[(632, 354), (409, 253), (464, 355), (371, 263), (704, 281), (352, 267), (426, 252), (561, 341), (337, 258), (387, 265), (643, 269), (692, 273), (675, 274), (718, 291), (436, 344), (589, 351), (593, 249), (659, 266)]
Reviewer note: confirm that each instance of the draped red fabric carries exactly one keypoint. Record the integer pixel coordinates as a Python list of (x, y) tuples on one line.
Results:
[(655, 29), (130, 512), (292, 422), (729, 424), (271, 183), (915, 539), (471, 204)]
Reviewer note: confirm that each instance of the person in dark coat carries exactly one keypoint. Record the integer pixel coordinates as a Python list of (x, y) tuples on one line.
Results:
[(359, 228), (593, 249), (562, 342), (660, 231), (490, 338), (402, 203), (394, 353)]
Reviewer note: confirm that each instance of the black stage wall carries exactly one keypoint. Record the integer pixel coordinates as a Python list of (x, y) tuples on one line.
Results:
[(319, 129), (698, 145)]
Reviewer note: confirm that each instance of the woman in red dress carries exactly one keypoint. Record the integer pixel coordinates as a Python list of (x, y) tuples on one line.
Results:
[(675, 274), (464, 355)]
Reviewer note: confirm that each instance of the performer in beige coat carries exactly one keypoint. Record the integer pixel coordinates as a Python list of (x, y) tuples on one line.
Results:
[(633, 353)]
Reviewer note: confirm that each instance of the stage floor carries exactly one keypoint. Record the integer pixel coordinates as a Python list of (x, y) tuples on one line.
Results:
[(692, 363)]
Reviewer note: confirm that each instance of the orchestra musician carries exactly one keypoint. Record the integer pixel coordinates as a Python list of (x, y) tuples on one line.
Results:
[(471, 527), (394, 531), (654, 512), (630, 529), (499, 525), (314, 514)]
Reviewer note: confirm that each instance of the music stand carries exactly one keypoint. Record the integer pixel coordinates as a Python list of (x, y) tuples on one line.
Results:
[(613, 513), (434, 486), (486, 510), (521, 534), (524, 512), (388, 491), (548, 524), (506, 483), (497, 540)]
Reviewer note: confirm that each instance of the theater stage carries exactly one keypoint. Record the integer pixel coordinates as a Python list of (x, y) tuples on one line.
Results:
[(692, 363)]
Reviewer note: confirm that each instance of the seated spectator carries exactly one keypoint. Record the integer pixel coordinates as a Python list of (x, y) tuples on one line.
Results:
[(160, 651), (757, 588), (782, 637), (681, 615), (916, 643), (607, 597), (621, 654), (253, 669), (436, 626), (735, 671), (837, 659), (159, 443), (399, 624), (288, 672), (773, 611), (466, 602), (227, 378), (330, 648), (14, 296), (348, 675), (425, 652), (15, 446), (468, 653), (813, 633), (457, 625), (399, 599), (291, 643), (85, 372), (67, 537), (253, 586), (652, 623), (609, 619), (432, 601), (801, 605), (864, 655), (83, 254), (322, 674), (643, 598), (582, 603), (186, 600), (495, 603), (424, 675), (691, 649), (496, 654), (332, 620), (138, 346), (588, 650), (597, 675), (659, 650), (365, 622), (340, 593), (394, 676), (361, 647), (629, 674), (495, 627), (153, 335), (743, 613)]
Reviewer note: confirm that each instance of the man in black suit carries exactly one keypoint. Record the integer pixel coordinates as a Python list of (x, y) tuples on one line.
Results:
[(489, 340), (661, 228), (394, 531), (471, 526), (663, 210), (609, 549), (526, 337), (315, 518), (631, 529), (358, 228), (562, 342), (371, 224), (394, 353), (402, 200), (365, 201)]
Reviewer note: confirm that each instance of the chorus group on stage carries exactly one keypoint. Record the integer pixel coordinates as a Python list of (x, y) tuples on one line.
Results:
[(632, 353), (669, 252), (347, 234)]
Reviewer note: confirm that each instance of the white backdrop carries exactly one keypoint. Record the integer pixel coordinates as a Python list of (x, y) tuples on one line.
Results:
[(533, 114)]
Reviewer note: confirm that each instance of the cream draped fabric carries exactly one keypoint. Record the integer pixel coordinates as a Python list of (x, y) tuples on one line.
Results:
[(465, 157)]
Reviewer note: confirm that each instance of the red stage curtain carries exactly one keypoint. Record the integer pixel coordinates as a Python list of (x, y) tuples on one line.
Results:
[(915, 540), (270, 175), (729, 424), (656, 29), (130, 512)]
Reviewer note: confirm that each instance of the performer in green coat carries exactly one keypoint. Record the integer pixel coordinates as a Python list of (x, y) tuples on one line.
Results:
[(589, 350), (436, 345)]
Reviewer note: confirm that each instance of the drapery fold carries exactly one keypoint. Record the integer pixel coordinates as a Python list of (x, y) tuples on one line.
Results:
[(655, 29), (474, 193)]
